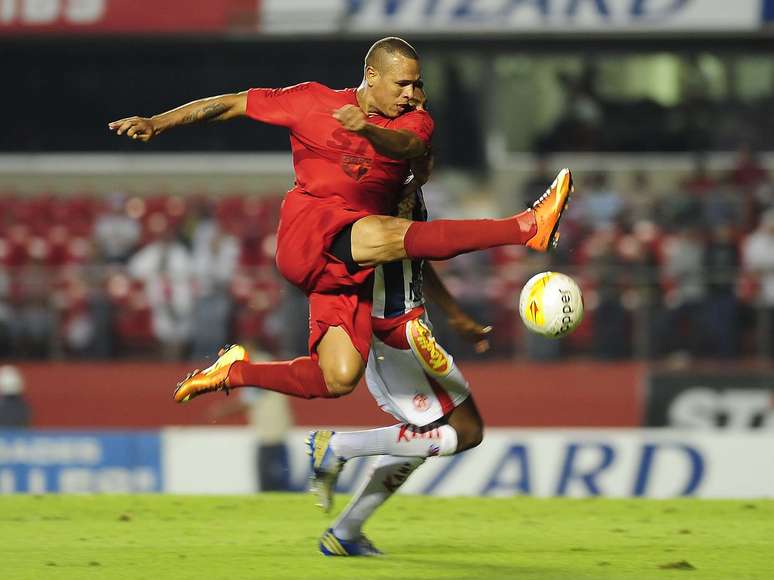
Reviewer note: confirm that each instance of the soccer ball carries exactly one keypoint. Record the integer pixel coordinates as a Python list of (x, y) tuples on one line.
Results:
[(551, 304)]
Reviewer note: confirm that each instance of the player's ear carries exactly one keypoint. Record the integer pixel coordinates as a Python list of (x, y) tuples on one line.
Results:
[(371, 75)]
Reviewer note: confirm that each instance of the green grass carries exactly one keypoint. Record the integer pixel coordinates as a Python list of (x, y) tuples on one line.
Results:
[(274, 536)]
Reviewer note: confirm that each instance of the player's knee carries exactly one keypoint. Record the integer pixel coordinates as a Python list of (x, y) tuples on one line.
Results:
[(377, 239), (476, 437), (342, 378), (470, 436)]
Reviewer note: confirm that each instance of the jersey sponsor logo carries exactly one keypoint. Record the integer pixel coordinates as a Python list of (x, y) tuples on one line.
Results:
[(421, 402), (429, 353), (354, 166), (410, 432)]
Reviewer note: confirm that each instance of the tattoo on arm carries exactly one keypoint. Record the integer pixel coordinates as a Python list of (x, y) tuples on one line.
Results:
[(209, 112)]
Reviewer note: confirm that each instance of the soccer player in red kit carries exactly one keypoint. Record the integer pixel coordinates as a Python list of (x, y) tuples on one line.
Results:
[(351, 151)]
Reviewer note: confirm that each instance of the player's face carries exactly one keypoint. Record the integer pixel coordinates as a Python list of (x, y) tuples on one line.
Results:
[(393, 87)]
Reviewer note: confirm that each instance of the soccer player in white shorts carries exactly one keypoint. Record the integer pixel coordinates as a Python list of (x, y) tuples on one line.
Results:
[(414, 379)]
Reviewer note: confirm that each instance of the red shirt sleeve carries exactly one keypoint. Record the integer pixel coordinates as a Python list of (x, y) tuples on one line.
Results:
[(285, 107), (418, 122)]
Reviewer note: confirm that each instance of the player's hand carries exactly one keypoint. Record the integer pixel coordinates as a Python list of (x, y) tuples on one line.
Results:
[(352, 118), (471, 331), (422, 167), (140, 128)]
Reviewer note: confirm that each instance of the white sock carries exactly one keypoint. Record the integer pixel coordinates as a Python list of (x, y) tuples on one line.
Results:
[(387, 475), (403, 440)]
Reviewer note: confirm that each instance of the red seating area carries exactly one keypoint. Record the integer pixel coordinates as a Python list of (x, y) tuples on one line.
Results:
[(49, 253), (48, 256), (56, 231)]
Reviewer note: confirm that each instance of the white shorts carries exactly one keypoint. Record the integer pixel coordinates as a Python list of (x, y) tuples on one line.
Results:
[(419, 385)]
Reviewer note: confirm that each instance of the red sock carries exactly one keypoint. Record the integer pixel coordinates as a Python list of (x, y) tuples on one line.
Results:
[(300, 377), (444, 239)]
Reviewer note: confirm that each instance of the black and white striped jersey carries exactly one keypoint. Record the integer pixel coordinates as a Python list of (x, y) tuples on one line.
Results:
[(398, 285)]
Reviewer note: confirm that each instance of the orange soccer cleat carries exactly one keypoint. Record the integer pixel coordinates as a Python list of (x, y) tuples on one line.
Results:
[(548, 210), (213, 378)]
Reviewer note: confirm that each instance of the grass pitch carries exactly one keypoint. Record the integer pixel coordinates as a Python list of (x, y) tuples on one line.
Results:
[(274, 536)]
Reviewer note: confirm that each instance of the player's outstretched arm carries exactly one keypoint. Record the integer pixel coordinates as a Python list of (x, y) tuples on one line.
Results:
[(400, 144), (436, 292), (220, 108)]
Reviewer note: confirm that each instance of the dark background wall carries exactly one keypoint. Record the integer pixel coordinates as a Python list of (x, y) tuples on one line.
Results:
[(59, 93)]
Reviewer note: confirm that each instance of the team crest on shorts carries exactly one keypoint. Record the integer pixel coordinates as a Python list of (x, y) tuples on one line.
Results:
[(421, 402), (354, 166), (430, 354)]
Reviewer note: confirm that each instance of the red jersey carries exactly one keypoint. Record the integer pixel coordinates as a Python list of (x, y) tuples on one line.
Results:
[(329, 161)]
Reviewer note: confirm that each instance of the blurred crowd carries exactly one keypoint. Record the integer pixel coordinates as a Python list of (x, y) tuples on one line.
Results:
[(164, 276), (687, 272), (681, 273)]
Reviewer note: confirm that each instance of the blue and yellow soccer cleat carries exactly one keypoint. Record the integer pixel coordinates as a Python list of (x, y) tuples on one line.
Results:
[(326, 467), (330, 545)]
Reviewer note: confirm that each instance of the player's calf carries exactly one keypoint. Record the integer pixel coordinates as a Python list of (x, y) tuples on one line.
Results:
[(468, 424)]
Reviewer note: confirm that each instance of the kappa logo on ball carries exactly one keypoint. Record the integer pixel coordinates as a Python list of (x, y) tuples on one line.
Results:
[(421, 402), (433, 358), (355, 167)]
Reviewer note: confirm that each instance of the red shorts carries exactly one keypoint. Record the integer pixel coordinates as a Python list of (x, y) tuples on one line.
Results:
[(336, 297)]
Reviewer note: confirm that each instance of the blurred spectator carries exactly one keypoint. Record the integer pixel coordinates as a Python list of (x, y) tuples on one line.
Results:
[(33, 323), (758, 260), (116, 235), (721, 262), (724, 204), (639, 252), (699, 182), (684, 277), (748, 173), (640, 200), (14, 409), (164, 265), (601, 203), (85, 313), (6, 315), (686, 205), (610, 317), (753, 187), (215, 258)]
